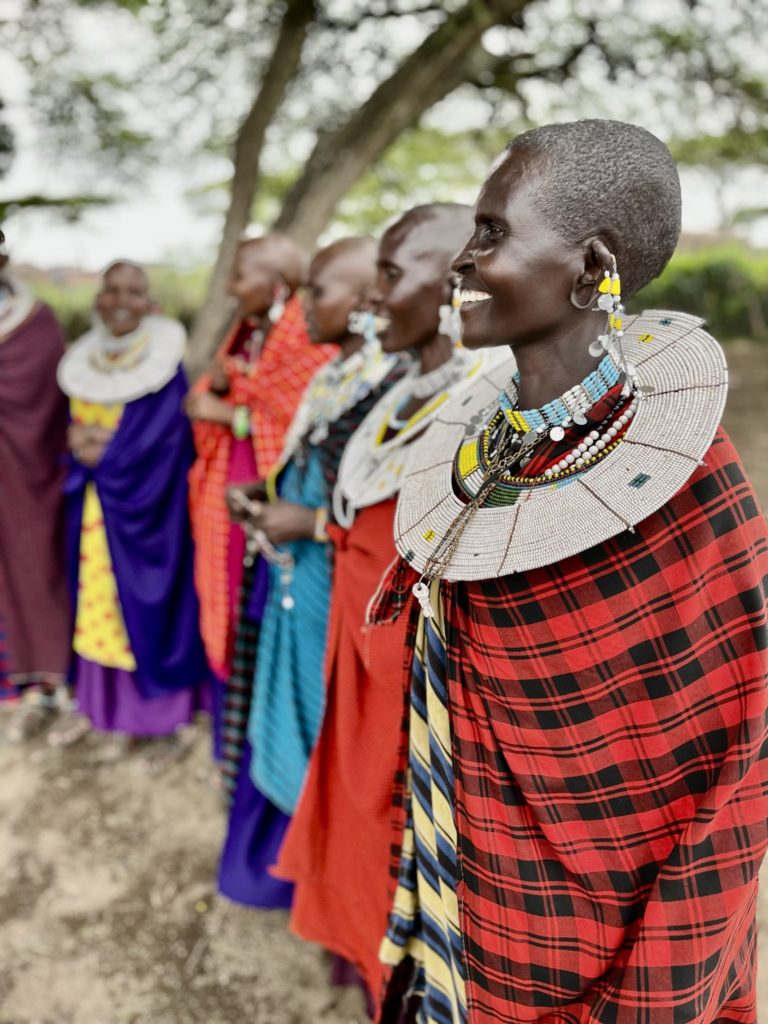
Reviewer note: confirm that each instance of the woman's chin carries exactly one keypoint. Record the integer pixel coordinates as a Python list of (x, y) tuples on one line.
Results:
[(473, 336), (471, 342), (474, 324), (119, 329), (388, 343)]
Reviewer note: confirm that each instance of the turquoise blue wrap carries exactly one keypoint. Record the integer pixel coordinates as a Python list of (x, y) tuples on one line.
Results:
[(289, 686)]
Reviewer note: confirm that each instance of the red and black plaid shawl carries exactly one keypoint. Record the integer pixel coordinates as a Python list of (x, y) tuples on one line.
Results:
[(611, 762)]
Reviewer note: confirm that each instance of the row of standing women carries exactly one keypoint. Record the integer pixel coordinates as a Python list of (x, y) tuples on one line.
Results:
[(485, 634)]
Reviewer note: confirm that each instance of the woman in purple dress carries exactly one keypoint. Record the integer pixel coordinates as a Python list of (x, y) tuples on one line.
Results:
[(139, 667)]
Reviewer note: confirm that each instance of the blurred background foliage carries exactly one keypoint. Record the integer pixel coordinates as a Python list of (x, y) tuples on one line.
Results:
[(727, 285), (324, 117)]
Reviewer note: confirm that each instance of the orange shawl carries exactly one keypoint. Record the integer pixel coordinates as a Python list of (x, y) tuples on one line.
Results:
[(271, 390)]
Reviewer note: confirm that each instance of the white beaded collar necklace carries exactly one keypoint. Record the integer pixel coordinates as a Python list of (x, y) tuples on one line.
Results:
[(681, 384), (372, 465), (153, 353)]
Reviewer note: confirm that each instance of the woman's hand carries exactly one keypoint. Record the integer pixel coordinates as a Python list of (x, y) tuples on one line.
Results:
[(205, 406), (88, 444), (282, 521), (239, 496), (219, 377)]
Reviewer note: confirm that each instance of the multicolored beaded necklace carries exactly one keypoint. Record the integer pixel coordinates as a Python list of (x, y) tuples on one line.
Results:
[(508, 443), (554, 416), (489, 467)]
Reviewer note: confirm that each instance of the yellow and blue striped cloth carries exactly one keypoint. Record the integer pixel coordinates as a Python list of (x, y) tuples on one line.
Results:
[(424, 922)]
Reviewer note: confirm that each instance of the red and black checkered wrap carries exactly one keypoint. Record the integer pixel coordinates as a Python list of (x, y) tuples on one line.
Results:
[(611, 761)]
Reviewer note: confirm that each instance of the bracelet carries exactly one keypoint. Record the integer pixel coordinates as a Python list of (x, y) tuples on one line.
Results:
[(241, 423), (320, 533)]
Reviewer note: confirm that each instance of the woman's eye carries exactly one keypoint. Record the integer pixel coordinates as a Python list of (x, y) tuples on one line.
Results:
[(489, 232)]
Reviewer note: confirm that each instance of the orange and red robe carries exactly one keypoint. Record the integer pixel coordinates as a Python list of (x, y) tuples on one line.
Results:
[(271, 389), (338, 845)]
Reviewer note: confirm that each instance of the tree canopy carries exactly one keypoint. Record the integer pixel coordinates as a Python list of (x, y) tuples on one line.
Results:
[(312, 114)]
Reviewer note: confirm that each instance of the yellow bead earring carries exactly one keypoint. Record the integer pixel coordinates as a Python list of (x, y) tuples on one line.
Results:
[(609, 301)]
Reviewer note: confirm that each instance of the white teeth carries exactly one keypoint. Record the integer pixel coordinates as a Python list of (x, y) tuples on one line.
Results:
[(467, 296)]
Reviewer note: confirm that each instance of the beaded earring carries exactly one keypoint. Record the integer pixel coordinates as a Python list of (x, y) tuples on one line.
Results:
[(356, 321), (279, 299), (364, 322), (371, 328), (609, 301), (450, 317)]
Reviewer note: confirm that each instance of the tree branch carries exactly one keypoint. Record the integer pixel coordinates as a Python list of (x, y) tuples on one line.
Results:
[(431, 72), (248, 147)]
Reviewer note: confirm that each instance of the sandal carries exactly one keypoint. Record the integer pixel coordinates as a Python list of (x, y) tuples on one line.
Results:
[(29, 721), (70, 728)]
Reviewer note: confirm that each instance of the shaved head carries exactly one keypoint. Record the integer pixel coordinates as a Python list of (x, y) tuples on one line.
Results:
[(340, 276), (354, 258), (285, 256), (121, 264), (609, 178), (414, 271), (435, 231)]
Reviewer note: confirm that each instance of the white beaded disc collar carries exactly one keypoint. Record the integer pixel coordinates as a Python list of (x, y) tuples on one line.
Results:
[(372, 465), (85, 373), (682, 382)]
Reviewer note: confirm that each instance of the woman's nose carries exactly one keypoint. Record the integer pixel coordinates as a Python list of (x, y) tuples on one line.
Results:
[(464, 262)]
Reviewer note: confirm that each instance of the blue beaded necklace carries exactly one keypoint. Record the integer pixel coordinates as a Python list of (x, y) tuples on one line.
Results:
[(560, 412)]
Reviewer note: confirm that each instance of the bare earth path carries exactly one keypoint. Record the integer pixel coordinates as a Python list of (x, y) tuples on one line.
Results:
[(107, 905), (107, 912)]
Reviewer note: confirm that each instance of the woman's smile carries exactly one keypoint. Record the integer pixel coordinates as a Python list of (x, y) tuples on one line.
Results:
[(471, 297)]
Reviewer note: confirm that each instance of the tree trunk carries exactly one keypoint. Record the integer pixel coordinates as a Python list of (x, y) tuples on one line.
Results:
[(211, 321), (340, 157)]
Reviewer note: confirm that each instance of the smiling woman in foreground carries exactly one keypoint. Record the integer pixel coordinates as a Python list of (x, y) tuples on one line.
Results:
[(583, 807)]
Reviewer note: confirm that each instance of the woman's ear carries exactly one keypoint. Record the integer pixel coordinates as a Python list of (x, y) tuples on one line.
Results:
[(597, 258)]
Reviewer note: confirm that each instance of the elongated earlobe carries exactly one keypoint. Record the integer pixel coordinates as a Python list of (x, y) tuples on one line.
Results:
[(583, 295)]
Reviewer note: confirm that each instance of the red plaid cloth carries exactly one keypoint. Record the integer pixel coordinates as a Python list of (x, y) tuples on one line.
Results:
[(610, 753), (272, 391)]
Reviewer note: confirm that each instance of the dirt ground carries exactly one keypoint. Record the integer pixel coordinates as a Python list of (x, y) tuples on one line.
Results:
[(108, 913), (107, 906)]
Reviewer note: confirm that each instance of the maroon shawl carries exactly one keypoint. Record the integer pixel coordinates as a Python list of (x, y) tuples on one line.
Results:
[(34, 606)]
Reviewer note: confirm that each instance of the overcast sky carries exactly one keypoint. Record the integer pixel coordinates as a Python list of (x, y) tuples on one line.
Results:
[(156, 223)]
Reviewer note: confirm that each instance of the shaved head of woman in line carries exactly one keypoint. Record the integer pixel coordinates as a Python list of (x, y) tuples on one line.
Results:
[(263, 268), (415, 279), (341, 278)]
